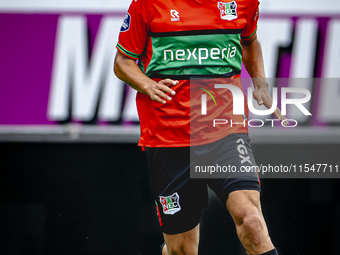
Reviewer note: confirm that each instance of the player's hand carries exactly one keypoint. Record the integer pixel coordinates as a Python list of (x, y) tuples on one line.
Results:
[(157, 91), (262, 96)]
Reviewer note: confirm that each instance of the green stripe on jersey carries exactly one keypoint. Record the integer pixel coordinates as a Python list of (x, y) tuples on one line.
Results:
[(250, 36), (129, 53), (214, 54)]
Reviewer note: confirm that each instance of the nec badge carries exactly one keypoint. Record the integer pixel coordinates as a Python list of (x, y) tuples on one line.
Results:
[(228, 10), (170, 204), (126, 23)]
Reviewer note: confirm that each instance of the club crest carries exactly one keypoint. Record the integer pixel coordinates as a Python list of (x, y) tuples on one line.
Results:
[(170, 204), (228, 10)]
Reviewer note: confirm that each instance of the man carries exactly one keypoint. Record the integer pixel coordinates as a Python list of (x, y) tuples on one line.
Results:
[(175, 41)]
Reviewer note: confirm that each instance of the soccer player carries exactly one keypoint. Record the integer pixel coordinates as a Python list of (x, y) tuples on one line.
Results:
[(175, 41)]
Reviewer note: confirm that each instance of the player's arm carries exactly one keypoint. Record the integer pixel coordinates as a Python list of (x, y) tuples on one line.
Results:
[(128, 71), (253, 61)]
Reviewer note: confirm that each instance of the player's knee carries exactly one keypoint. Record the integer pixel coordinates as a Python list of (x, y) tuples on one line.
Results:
[(252, 224), (243, 204), (246, 215), (182, 248)]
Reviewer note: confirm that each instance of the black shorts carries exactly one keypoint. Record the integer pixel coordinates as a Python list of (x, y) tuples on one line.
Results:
[(180, 198)]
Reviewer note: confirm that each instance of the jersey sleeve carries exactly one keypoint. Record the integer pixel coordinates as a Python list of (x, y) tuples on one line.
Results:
[(133, 33), (249, 31)]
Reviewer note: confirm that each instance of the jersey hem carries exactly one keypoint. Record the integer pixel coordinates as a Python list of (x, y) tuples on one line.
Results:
[(187, 143)]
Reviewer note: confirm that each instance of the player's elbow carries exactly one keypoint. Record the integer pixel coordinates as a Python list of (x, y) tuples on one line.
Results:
[(117, 66), (122, 65)]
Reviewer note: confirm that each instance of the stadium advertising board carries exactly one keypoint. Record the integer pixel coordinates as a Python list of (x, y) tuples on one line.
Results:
[(57, 61)]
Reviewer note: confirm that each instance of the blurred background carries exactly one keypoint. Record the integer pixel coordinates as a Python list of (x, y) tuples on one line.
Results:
[(74, 181)]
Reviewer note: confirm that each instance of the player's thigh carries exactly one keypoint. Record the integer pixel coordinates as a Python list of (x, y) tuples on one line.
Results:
[(243, 203), (234, 152), (183, 243), (179, 199)]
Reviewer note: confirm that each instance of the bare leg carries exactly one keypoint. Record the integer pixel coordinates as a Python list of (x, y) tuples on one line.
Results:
[(244, 206), (182, 244)]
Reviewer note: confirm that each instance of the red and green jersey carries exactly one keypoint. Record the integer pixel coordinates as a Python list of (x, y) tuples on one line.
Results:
[(183, 40)]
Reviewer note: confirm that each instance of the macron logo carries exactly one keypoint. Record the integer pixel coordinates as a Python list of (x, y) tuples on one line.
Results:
[(174, 15)]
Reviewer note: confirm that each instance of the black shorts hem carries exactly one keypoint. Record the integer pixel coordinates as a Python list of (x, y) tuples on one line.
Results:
[(240, 185), (176, 228)]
